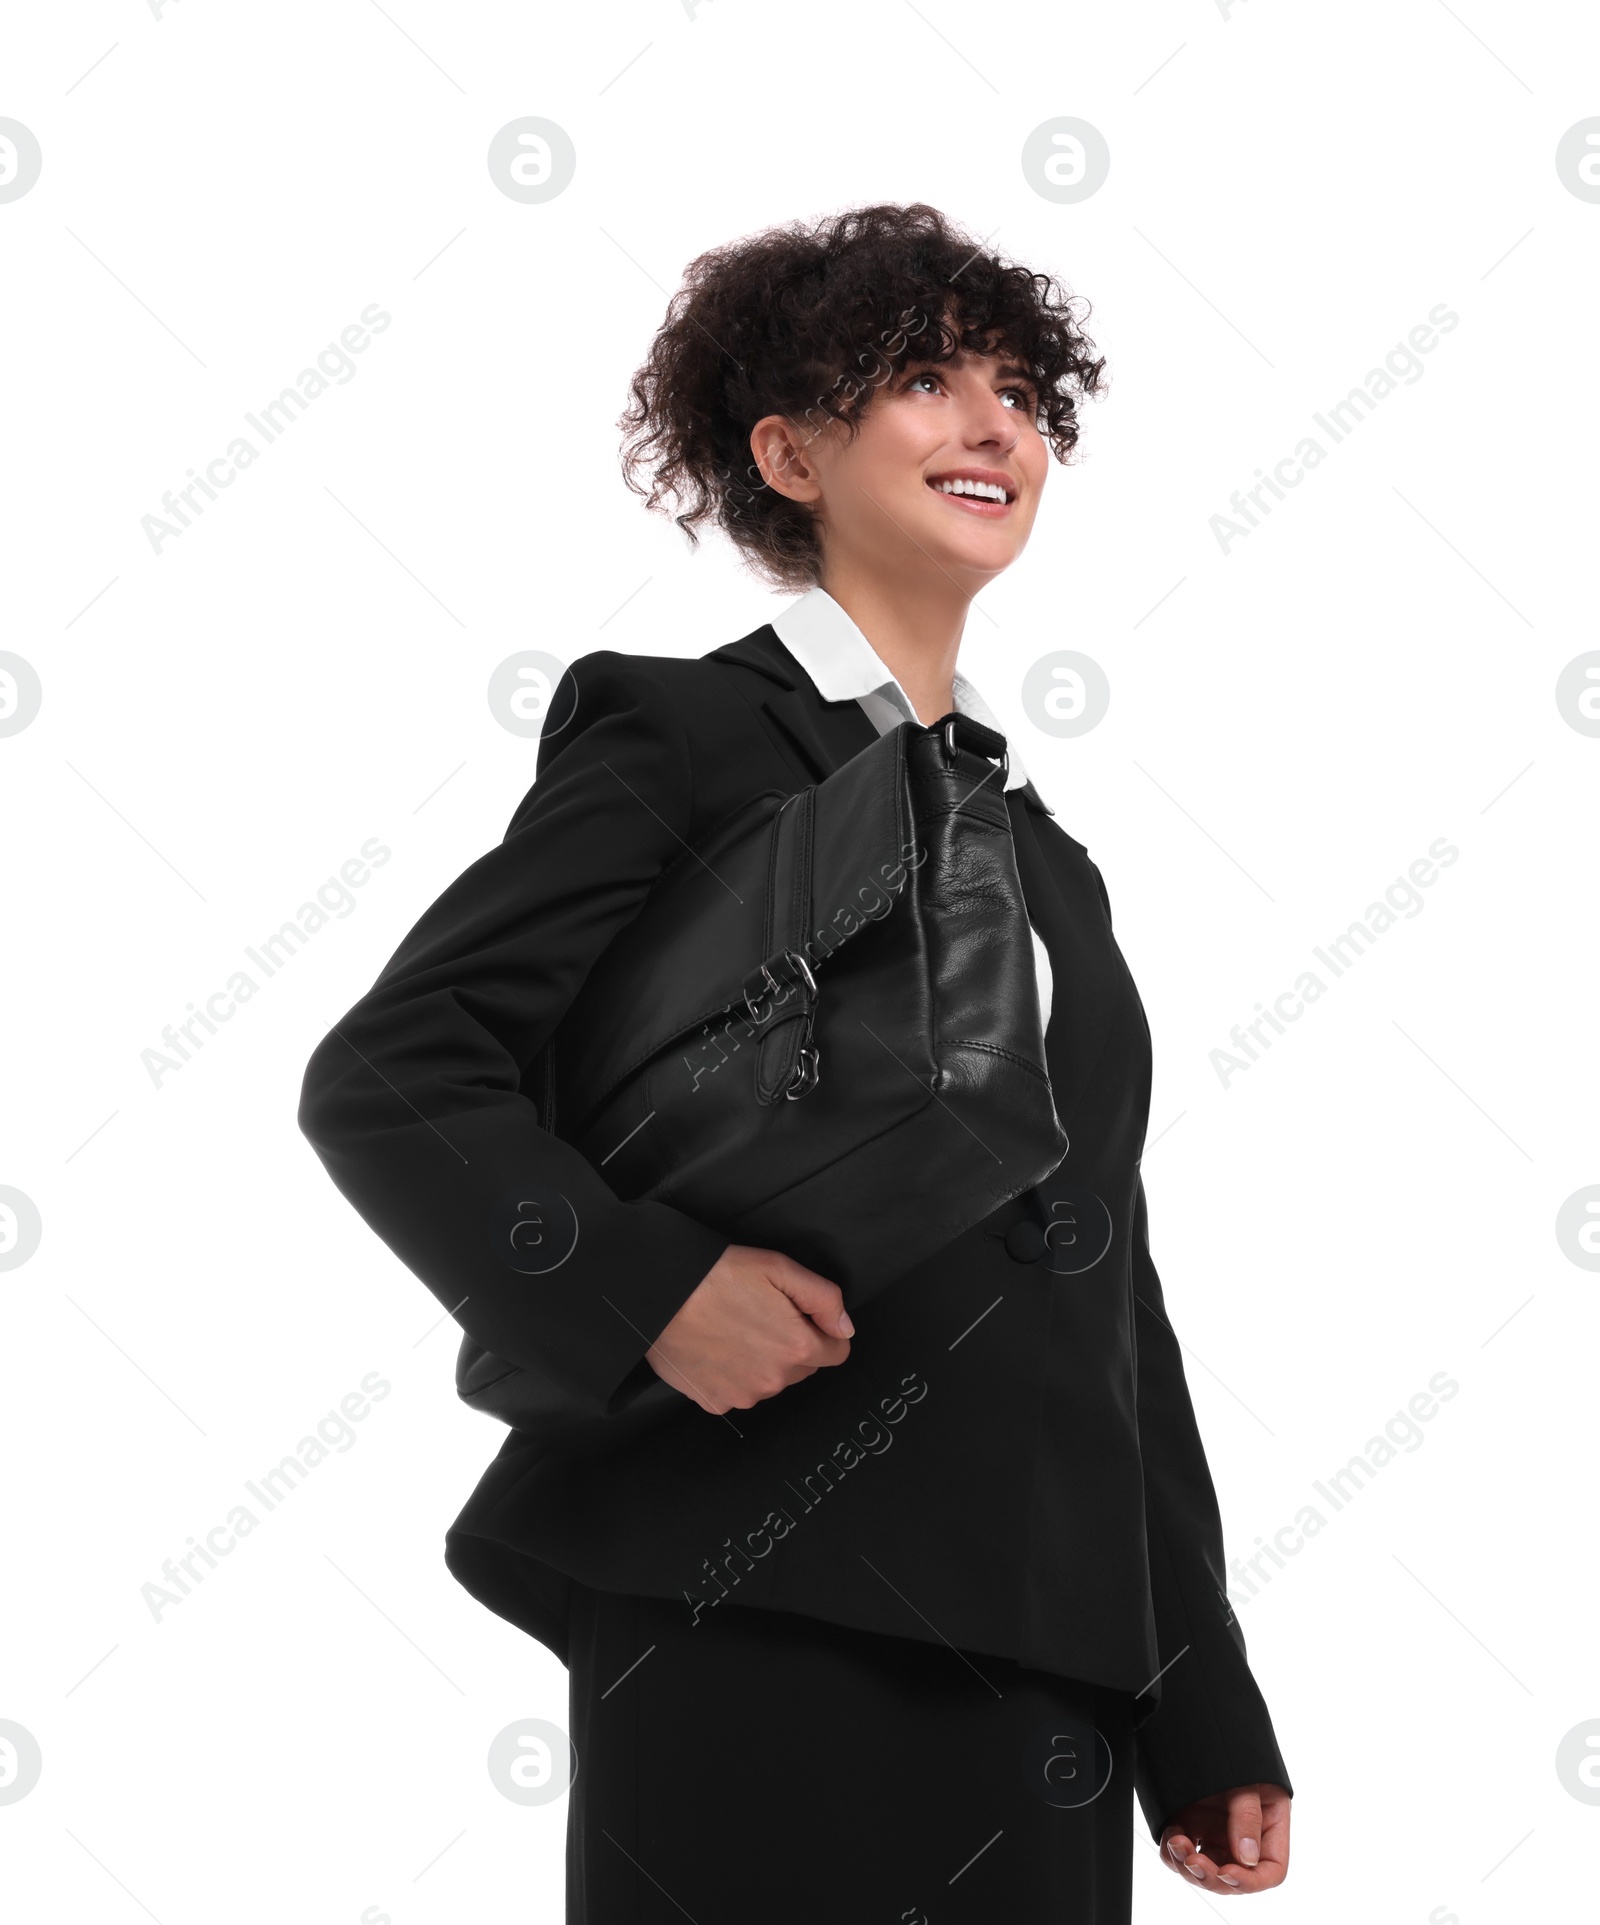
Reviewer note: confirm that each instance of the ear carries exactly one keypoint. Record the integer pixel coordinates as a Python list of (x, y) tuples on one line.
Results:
[(782, 454)]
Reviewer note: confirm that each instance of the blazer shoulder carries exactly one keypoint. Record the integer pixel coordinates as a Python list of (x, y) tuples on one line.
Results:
[(613, 671), (684, 681), (708, 695), (651, 695), (699, 716)]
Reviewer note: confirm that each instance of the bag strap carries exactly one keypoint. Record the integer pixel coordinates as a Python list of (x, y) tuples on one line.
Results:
[(958, 731)]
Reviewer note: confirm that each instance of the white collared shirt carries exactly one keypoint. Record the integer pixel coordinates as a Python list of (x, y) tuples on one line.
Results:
[(843, 664)]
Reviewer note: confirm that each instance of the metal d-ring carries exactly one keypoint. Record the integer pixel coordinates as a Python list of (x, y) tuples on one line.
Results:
[(793, 956), (950, 748), (806, 1072)]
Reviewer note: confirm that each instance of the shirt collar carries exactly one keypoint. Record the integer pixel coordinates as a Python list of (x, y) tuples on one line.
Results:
[(844, 665)]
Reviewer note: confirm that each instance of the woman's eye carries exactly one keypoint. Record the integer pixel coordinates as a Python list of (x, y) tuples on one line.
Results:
[(931, 379), (1020, 398)]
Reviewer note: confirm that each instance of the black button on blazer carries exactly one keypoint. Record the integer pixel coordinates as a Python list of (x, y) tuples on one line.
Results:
[(1008, 1460)]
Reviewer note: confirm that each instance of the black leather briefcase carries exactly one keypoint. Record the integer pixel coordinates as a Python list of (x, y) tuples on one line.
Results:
[(821, 1033)]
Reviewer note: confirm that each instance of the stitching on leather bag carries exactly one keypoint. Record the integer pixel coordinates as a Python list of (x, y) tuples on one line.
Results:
[(995, 1049), (960, 808), (769, 936), (798, 920), (800, 905), (774, 842)]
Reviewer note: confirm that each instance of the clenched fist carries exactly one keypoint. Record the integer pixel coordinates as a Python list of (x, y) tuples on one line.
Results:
[(755, 1323)]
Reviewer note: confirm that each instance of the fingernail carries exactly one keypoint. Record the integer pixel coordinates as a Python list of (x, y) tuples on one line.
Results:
[(1249, 1851), (1172, 1846), (1195, 1874), (846, 1327), (1226, 1879)]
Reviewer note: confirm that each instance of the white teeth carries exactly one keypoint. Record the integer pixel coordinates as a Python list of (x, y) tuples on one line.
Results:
[(982, 490)]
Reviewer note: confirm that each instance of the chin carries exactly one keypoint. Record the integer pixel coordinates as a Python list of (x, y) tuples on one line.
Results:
[(986, 558)]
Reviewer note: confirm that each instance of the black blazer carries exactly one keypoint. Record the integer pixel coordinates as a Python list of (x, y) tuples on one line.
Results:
[(1007, 1461)]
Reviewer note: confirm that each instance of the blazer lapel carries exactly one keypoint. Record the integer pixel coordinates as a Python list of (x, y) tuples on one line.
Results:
[(815, 737)]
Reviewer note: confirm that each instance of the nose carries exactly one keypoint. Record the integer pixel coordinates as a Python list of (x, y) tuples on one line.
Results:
[(990, 423)]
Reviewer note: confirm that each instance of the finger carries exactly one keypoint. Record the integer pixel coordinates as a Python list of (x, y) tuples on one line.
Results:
[(1275, 1804), (1198, 1869), (1178, 1851), (1273, 1867), (1235, 1879), (1222, 1877), (816, 1296), (1182, 1853), (1244, 1826), (827, 1350)]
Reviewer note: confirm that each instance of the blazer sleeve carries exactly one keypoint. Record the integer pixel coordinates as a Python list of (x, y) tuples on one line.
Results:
[(1210, 1730), (413, 1100)]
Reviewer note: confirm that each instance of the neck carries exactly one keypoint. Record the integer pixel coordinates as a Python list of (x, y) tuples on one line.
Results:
[(915, 627)]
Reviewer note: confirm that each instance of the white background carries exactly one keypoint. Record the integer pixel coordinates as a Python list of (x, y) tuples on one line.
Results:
[(1291, 724)]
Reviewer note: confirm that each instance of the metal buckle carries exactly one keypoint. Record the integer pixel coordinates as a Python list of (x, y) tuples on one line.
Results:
[(950, 749), (794, 956), (776, 989)]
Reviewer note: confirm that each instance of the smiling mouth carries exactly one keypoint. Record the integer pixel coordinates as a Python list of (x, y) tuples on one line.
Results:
[(990, 500)]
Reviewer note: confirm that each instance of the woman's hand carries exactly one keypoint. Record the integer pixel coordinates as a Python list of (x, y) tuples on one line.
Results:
[(1235, 1841), (755, 1323)]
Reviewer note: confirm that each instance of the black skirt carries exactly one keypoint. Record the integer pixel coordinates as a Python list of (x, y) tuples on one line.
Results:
[(764, 1766)]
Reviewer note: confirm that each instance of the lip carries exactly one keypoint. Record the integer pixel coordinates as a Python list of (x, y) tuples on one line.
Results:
[(969, 504)]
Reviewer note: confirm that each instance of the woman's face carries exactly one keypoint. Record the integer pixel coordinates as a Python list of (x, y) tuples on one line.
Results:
[(945, 470)]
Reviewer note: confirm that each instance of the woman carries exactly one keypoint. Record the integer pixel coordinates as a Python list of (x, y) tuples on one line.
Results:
[(901, 1636)]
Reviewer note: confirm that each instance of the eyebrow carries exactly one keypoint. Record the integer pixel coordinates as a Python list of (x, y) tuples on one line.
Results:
[(1011, 370), (1006, 371)]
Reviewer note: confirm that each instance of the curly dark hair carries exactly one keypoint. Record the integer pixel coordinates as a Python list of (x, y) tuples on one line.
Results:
[(807, 320)]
